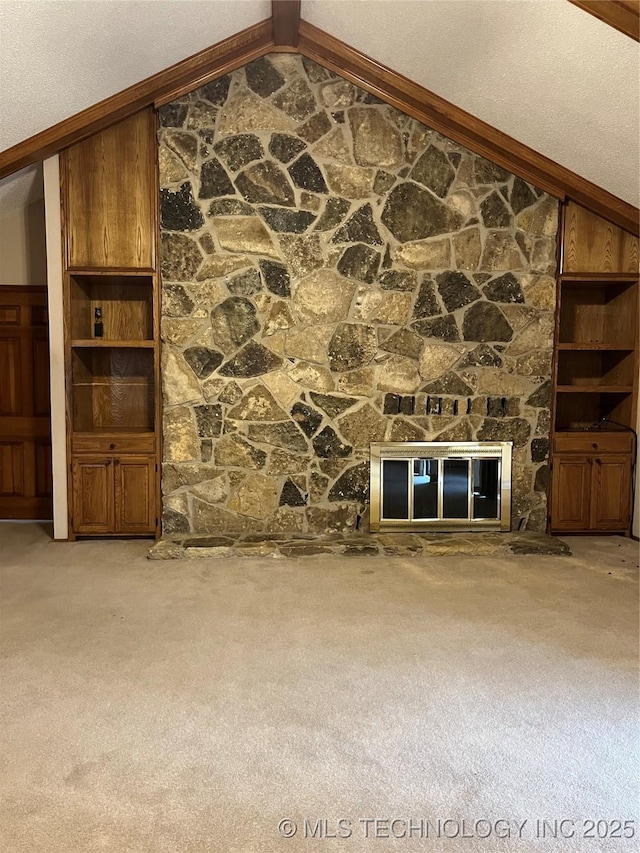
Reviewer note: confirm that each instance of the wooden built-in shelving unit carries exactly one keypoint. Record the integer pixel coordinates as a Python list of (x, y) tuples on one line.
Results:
[(595, 376), (113, 408)]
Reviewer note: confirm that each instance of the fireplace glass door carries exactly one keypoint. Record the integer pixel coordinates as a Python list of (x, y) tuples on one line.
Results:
[(455, 489)]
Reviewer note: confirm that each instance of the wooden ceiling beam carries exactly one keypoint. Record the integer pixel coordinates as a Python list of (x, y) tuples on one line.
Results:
[(286, 22), (462, 127), (622, 15), (188, 74)]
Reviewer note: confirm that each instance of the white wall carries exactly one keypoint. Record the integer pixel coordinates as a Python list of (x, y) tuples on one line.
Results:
[(56, 346), (23, 258)]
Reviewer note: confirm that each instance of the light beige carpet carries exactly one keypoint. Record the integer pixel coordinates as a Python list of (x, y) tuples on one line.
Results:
[(193, 705)]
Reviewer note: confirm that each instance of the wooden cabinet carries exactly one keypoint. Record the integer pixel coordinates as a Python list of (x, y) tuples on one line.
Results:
[(591, 493), (112, 329), (595, 376), (110, 198), (113, 495)]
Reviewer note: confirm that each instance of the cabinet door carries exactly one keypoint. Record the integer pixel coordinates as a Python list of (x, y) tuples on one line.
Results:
[(135, 509), (611, 493), (571, 485), (92, 495)]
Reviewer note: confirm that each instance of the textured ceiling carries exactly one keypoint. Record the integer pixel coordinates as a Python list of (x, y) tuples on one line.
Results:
[(543, 71)]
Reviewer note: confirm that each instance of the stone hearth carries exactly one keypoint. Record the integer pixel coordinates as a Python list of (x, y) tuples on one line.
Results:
[(359, 545), (335, 274)]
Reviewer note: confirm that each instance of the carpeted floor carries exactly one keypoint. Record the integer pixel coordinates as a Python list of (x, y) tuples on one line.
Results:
[(193, 705)]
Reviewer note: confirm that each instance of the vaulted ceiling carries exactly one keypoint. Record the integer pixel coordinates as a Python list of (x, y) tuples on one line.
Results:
[(543, 71)]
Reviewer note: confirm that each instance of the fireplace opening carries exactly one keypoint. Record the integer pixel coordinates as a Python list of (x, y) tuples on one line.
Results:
[(441, 486)]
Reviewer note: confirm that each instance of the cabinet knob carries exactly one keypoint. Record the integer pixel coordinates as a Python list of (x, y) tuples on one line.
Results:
[(116, 461), (113, 447), (594, 445), (108, 462), (599, 461)]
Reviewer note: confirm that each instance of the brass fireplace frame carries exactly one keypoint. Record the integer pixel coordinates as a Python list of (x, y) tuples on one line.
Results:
[(501, 450)]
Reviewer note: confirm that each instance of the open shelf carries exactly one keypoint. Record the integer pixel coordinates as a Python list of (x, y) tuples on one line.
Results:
[(598, 312), (126, 303), (576, 411), (113, 389), (584, 369)]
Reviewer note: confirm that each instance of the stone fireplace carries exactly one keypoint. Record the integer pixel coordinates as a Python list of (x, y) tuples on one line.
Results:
[(336, 274)]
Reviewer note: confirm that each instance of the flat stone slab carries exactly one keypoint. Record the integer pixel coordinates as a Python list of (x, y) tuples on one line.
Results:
[(180, 547)]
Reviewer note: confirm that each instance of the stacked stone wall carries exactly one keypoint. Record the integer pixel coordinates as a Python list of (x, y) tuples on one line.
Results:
[(335, 273)]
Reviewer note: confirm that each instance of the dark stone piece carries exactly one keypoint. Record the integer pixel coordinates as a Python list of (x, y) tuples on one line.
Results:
[(338, 117), (208, 420), (206, 449), (450, 383), (359, 228), (352, 345), (202, 360), (360, 262), (291, 495), (284, 220), (300, 549), (265, 183), (488, 173), (353, 485), (285, 435), (404, 342), (387, 263), (541, 397), (173, 114), (327, 444), (181, 257), (296, 100), (456, 290), (245, 283), (176, 302), (333, 406), (239, 151), (521, 196), (412, 213), (504, 289), (214, 180), (305, 173), (434, 171), (398, 280), (178, 210), (334, 212), (455, 158), (307, 418), (407, 404), (216, 91), (505, 429), (484, 321), (252, 360), (482, 356), (541, 482), (426, 304), (230, 207), (391, 404), (538, 544), (284, 147), (234, 320), (360, 551), (276, 278), (481, 277), (209, 542), (263, 78), (315, 128), (521, 240), (495, 213), (495, 408), (444, 328), (174, 522), (539, 449), (383, 182)]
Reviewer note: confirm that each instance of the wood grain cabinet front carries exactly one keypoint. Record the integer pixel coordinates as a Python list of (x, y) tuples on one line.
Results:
[(591, 492), (113, 495)]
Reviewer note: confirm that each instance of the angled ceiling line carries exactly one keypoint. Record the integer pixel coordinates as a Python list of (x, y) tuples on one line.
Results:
[(330, 52), (622, 15)]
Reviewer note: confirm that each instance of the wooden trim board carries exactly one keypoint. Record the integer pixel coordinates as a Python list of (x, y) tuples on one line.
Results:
[(622, 15)]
